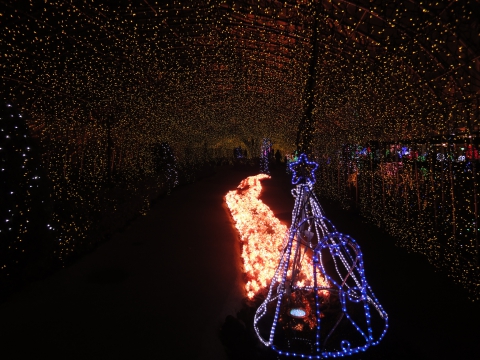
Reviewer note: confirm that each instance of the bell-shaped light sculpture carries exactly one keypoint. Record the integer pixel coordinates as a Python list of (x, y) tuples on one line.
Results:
[(319, 304)]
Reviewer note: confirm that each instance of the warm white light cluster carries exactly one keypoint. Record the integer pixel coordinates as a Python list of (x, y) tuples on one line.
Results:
[(260, 231)]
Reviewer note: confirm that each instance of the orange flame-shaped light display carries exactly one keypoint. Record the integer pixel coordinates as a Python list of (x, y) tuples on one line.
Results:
[(260, 231), (262, 236)]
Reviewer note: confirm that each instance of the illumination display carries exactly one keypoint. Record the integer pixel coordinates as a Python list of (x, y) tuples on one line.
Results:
[(261, 233), (100, 83), (428, 203), (303, 170), (265, 156), (338, 313)]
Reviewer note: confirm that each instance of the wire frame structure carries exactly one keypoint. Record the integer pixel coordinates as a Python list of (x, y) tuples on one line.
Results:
[(319, 304)]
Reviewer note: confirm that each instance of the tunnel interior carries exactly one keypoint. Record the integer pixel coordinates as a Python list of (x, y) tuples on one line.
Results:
[(115, 102)]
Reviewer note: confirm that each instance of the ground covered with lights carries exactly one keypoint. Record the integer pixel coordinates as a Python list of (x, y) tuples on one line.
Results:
[(171, 286)]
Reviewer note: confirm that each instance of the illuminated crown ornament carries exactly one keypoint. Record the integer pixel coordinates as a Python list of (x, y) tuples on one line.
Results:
[(319, 304)]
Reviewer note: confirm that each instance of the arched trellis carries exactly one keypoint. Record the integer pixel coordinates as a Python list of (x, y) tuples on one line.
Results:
[(180, 71)]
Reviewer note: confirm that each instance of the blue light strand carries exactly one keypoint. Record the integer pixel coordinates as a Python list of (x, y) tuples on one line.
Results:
[(348, 283), (303, 171)]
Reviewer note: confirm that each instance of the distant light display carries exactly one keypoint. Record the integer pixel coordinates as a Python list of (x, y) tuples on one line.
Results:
[(166, 164), (238, 153), (266, 154)]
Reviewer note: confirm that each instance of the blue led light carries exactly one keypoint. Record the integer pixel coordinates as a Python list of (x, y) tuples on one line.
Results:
[(313, 236), (303, 171)]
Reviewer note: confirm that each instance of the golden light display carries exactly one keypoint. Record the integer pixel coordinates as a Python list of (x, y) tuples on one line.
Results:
[(101, 83), (262, 236), (261, 233), (417, 200)]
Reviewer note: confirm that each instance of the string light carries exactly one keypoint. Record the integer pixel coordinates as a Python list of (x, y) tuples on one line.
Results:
[(332, 318), (102, 83), (262, 236), (261, 233), (426, 201), (265, 156)]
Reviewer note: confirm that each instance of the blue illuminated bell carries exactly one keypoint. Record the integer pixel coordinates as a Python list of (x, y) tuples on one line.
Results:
[(319, 304)]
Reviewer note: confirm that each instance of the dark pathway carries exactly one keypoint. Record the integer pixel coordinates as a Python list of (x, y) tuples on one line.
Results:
[(161, 289), (429, 316)]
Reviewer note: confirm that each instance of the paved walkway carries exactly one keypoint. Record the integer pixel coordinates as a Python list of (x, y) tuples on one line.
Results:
[(158, 290)]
